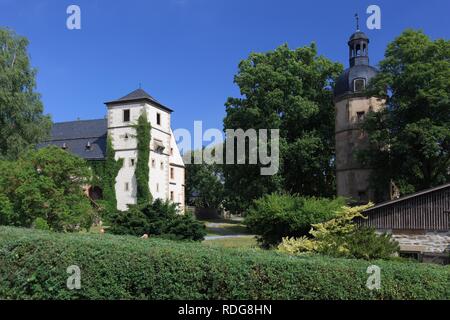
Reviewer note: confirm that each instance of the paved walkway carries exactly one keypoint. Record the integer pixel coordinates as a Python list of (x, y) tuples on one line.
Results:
[(229, 236)]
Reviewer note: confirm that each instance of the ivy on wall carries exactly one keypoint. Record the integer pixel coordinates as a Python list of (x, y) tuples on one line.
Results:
[(104, 176), (143, 134)]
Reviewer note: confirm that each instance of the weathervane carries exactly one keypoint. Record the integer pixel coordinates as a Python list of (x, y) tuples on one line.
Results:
[(357, 21)]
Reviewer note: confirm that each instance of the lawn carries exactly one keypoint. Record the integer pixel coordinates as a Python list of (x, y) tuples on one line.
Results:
[(238, 242)]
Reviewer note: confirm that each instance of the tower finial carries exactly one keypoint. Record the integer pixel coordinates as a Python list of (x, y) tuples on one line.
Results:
[(357, 21)]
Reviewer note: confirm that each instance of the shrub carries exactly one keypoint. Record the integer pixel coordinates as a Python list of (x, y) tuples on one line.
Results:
[(33, 265), (132, 222), (161, 218), (280, 215), (340, 237), (365, 243), (41, 224)]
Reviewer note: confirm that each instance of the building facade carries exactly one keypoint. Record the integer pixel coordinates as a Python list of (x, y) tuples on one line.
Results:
[(351, 105), (87, 139), (419, 222)]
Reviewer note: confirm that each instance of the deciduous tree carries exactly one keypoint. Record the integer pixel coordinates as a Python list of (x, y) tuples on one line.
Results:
[(410, 140), (22, 122), (289, 90)]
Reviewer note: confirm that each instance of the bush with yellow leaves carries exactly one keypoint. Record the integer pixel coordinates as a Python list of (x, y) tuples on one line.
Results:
[(341, 237)]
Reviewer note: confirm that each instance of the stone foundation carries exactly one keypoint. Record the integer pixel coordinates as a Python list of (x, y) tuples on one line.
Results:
[(422, 241)]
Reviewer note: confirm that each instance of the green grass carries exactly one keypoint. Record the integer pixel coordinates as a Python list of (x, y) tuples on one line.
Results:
[(241, 242)]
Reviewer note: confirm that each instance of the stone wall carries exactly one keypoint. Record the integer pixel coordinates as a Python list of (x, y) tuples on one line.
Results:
[(422, 241)]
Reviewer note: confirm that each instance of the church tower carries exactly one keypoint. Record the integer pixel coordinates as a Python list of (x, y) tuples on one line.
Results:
[(352, 104)]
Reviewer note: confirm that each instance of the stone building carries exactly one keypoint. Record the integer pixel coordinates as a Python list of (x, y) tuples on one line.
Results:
[(352, 105), (87, 139)]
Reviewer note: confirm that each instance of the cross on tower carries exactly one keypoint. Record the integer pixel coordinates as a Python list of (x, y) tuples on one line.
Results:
[(357, 21)]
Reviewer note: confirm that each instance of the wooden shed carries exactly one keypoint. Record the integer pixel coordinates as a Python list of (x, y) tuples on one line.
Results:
[(420, 222)]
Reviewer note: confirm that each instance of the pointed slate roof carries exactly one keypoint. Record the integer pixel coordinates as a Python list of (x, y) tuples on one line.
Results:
[(139, 95)]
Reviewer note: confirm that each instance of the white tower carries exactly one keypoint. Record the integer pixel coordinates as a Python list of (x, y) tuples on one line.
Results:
[(167, 172)]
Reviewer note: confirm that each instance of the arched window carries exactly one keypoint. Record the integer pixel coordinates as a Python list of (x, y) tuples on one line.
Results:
[(95, 193)]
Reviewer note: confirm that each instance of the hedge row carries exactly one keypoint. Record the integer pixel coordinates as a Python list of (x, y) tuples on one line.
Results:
[(33, 265)]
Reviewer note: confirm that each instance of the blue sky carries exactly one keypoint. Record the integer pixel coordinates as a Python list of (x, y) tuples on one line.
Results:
[(185, 52)]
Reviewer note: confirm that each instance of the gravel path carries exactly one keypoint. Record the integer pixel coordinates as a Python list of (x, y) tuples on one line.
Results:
[(229, 236)]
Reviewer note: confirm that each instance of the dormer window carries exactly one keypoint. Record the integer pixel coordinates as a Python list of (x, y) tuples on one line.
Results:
[(64, 146), (359, 85), (126, 115), (88, 146)]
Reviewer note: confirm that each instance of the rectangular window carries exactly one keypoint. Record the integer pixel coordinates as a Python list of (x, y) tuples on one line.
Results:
[(171, 151), (126, 115), (171, 196), (157, 187), (162, 165), (132, 162), (359, 85), (158, 119), (127, 186), (172, 173), (153, 163), (360, 116)]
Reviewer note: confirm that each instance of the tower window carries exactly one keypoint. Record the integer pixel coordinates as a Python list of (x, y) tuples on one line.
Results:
[(126, 115), (172, 173), (360, 116), (172, 196), (359, 85), (127, 186), (153, 163), (162, 165), (132, 162), (158, 119)]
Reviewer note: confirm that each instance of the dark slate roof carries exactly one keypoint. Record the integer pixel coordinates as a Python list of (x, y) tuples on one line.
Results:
[(358, 35), (410, 196), (139, 95), (344, 84), (76, 135)]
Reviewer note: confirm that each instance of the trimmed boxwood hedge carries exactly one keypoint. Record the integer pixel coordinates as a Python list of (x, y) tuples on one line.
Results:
[(33, 265)]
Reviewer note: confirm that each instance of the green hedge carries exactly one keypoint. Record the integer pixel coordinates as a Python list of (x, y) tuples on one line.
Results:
[(33, 266)]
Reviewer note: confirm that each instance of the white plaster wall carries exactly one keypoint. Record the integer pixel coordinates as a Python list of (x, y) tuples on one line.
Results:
[(126, 175), (160, 184)]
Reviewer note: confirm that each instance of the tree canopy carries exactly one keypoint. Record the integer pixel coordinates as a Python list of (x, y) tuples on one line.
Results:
[(45, 185), (410, 139), (204, 185), (289, 90), (22, 122)]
